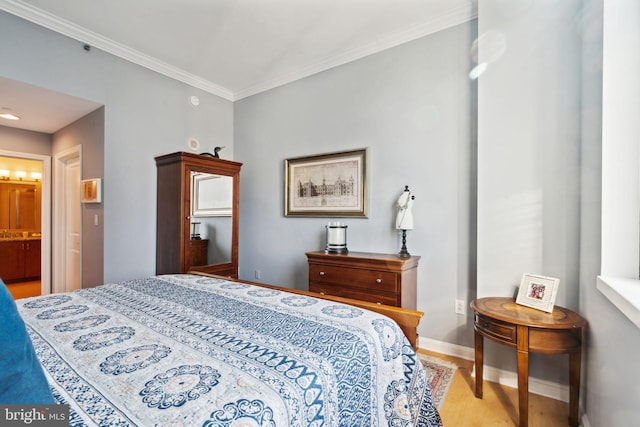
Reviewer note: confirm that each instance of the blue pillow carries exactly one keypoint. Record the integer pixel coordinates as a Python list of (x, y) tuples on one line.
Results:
[(22, 379)]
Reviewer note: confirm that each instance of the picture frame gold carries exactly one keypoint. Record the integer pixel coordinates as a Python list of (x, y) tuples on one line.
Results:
[(326, 185), (538, 292), (91, 190)]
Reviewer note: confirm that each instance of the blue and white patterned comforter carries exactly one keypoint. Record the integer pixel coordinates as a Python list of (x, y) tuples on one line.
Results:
[(184, 350)]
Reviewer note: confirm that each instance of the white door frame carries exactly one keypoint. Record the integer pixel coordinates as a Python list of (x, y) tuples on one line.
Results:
[(59, 228), (45, 252)]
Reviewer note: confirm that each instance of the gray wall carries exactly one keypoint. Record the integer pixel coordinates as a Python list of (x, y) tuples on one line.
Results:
[(538, 177), (529, 156), (612, 389), (145, 115), (412, 107), (89, 133), (25, 141), (529, 146)]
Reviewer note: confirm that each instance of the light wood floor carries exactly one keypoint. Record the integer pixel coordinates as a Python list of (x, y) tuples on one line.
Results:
[(499, 405), (25, 289)]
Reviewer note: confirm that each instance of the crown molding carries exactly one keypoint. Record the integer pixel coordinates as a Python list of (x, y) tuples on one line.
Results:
[(453, 17), (45, 19), (69, 29)]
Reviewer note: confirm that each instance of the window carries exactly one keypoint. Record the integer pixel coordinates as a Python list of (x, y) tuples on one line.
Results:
[(619, 280)]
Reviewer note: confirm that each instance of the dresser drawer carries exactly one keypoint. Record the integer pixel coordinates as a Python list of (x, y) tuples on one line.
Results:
[(501, 331), (368, 280), (362, 295)]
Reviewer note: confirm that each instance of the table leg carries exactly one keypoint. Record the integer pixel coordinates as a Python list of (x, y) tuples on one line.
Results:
[(523, 374), (575, 359), (479, 343)]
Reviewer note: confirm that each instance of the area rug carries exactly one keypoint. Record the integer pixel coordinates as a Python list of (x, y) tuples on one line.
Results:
[(440, 374)]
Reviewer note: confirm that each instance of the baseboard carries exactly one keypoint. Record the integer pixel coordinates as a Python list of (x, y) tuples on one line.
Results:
[(500, 376), (446, 348)]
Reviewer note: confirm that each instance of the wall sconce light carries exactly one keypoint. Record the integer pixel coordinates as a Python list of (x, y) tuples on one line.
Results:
[(6, 175), (336, 238)]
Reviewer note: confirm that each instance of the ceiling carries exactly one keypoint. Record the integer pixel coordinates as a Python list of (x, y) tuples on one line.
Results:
[(237, 48), (39, 109)]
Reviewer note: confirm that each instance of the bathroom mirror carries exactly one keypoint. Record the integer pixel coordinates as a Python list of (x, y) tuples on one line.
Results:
[(19, 206)]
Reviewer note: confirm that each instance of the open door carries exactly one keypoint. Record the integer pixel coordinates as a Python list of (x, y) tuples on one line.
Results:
[(67, 223)]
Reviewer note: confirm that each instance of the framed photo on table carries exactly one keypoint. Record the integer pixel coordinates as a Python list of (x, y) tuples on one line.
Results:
[(326, 185), (538, 292)]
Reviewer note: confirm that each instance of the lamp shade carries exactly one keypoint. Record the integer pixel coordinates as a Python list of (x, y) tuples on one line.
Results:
[(404, 219), (336, 238)]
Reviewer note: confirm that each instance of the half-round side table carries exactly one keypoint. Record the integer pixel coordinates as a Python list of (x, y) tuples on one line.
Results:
[(529, 330)]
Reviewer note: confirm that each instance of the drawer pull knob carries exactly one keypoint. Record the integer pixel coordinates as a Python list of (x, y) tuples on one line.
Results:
[(378, 281), (322, 273), (486, 325)]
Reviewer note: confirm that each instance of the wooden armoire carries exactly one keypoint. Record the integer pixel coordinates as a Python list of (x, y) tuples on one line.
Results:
[(195, 188)]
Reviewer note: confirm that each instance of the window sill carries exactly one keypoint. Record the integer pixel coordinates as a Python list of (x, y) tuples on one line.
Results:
[(624, 294)]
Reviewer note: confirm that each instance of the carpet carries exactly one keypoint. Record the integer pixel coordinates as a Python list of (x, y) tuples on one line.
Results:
[(440, 374)]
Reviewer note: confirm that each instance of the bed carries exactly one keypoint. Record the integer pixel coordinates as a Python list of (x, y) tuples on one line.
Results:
[(192, 350)]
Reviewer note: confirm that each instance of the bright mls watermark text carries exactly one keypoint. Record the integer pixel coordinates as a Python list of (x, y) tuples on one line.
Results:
[(34, 415)]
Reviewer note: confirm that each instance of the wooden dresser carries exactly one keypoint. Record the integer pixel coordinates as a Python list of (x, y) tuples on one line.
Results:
[(378, 278), (199, 252)]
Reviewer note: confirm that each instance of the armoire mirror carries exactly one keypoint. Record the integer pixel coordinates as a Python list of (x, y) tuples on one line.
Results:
[(211, 218), (198, 214)]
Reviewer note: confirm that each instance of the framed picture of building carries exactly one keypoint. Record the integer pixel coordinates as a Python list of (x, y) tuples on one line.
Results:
[(326, 185)]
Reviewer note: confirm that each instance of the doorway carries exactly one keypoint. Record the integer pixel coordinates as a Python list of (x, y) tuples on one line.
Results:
[(67, 235), (25, 232), (54, 122)]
